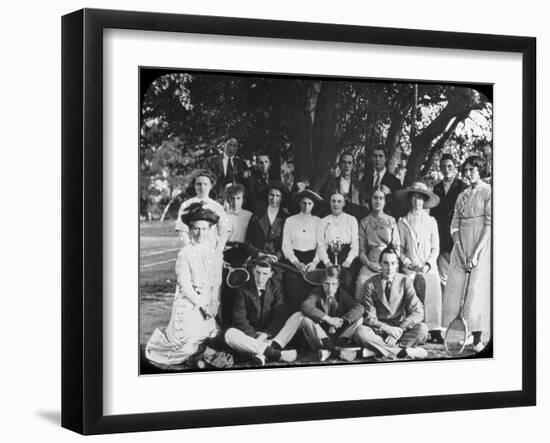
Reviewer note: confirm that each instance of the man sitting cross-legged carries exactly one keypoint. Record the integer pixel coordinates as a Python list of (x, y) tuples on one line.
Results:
[(261, 326), (331, 316), (393, 323)]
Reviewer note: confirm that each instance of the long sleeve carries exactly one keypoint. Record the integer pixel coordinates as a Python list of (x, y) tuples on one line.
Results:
[(488, 212), (367, 300), (321, 241), (403, 236), (353, 310), (184, 278), (455, 222), (309, 307), (251, 249), (395, 237), (363, 246), (279, 313), (434, 241), (240, 319), (354, 249), (413, 306), (287, 248)]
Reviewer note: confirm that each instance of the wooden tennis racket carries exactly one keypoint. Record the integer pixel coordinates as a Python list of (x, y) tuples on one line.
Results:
[(457, 332)]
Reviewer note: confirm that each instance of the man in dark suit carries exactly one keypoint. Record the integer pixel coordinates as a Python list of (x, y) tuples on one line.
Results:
[(381, 176), (353, 190), (264, 236), (393, 323), (257, 182), (447, 190), (261, 324), (227, 167), (331, 316)]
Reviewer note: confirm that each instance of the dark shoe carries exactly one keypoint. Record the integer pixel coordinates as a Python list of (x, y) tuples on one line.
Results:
[(272, 354), (327, 344), (436, 337)]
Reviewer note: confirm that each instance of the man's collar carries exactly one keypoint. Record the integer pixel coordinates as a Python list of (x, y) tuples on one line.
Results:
[(381, 172)]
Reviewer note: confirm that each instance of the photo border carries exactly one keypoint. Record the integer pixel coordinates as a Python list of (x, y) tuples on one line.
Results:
[(82, 235)]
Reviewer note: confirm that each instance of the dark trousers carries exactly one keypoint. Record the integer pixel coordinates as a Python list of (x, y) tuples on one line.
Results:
[(296, 289)]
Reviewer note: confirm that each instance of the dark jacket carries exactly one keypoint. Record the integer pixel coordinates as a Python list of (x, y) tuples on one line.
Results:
[(215, 165), (393, 183), (256, 186), (253, 314), (356, 199), (404, 309), (316, 306), (261, 236), (443, 213)]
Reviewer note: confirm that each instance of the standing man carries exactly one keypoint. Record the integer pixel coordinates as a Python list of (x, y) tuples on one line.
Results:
[(257, 183), (228, 168), (261, 326), (353, 190), (381, 176), (393, 323), (447, 190)]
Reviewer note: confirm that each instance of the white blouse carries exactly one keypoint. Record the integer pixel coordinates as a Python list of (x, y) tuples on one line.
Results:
[(238, 223), (342, 229), (300, 233)]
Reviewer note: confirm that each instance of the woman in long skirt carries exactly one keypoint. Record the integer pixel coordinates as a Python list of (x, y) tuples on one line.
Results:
[(377, 231), (419, 251), (471, 232), (198, 270), (300, 247)]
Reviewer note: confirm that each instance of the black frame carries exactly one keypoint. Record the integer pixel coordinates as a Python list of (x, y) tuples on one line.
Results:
[(82, 219)]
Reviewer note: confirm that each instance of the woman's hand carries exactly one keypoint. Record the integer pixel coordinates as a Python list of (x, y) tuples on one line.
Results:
[(346, 264), (472, 262), (311, 267), (300, 266)]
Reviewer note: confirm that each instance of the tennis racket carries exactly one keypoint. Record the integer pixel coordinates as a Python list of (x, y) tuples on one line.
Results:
[(457, 332), (236, 277)]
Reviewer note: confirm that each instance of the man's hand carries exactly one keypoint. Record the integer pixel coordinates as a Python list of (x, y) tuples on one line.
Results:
[(335, 321), (390, 341), (394, 332), (262, 336)]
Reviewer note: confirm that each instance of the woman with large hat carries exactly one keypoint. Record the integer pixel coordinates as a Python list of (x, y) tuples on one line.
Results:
[(377, 231), (471, 232), (300, 247), (203, 182), (198, 271), (419, 251)]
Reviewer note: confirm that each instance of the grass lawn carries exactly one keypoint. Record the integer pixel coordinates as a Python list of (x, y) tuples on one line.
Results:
[(159, 247)]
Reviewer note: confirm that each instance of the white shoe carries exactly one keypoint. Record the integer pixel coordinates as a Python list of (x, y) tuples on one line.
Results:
[(323, 354), (367, 353), (416, 353), (348, 354), (288, 355), (479, 347), (259, 359)]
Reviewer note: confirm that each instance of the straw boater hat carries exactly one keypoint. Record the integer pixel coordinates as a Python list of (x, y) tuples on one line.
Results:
[(197, 211), (307, 193), (403, 196)]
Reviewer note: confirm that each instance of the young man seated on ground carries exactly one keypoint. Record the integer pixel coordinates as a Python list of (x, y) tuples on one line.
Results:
[(331, 316), (393, 324), (261, 326)]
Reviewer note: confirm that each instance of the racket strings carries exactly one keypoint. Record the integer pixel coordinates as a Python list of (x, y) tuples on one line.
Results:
[(455, 337)]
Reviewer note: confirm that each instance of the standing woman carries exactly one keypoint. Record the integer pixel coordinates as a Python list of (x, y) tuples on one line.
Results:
[(471, 232), (300, 247), (203, 182), (377, 231), (338, 241), (419, 251), (198, 271)]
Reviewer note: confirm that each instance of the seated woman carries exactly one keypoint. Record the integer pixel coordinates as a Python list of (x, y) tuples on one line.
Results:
[(338, 241), (377, 231), (198, 271), (235, 251), (203, 182), (300, 247), (264, 236), (419, 251), (331, 316)]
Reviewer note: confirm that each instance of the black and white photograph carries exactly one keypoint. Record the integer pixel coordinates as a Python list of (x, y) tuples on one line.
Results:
[(292, 221)]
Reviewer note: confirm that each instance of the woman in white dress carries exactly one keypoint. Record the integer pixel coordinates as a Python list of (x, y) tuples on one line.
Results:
[(377, 231), (338, 241), (471, 232), (198, 271), (419, 251), (203, 182), (300, 247)]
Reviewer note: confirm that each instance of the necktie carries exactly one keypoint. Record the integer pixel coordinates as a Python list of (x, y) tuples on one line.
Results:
[(229, 173), (387, 291), (377, 180)]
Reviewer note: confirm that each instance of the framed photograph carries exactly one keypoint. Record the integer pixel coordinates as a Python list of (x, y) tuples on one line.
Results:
[(273, 221)]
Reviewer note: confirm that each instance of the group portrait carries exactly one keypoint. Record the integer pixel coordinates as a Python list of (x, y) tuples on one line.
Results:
[(290, 220)]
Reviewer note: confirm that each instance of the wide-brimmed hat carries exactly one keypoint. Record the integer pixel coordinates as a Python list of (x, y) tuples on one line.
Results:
[(196, 212), (402, 196), (307, 193)]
